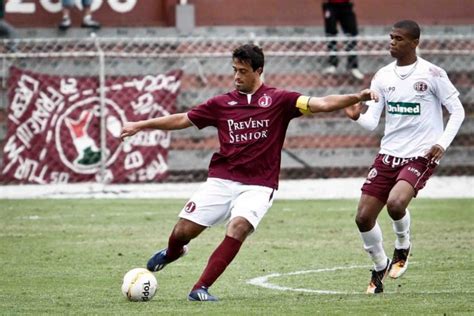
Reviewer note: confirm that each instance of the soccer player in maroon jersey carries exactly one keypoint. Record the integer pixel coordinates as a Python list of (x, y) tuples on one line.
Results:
[(251, 122)]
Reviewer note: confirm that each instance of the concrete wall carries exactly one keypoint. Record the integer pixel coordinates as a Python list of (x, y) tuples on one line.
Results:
[(29, 13)]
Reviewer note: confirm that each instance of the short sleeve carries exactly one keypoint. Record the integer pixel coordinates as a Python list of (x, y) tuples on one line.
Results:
[(204, 115), (289, 99)]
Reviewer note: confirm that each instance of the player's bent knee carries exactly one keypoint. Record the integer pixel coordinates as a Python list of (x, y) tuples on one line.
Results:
[(186, 230), (396, 206), (364, 221), (239, 228)]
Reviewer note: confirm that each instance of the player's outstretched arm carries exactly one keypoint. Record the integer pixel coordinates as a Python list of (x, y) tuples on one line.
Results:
[(169, 122), (354, 111), (336, 102)]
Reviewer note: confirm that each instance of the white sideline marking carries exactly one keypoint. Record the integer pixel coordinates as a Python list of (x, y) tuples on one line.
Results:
[(437, 187), (263, 280)]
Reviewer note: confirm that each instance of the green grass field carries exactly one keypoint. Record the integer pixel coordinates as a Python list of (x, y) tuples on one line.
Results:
[(69, 257)]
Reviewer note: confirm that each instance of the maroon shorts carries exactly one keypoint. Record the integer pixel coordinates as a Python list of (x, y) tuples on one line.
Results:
[(387, 170)]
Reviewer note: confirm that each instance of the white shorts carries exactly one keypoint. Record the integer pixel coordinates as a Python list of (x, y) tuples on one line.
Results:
[(219, 200)]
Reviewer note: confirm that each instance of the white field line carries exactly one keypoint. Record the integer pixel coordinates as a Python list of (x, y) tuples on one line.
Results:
[(263, 281)]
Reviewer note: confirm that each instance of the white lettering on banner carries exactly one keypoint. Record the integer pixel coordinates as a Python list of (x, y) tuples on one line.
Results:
[(27, 87), (143, 104), (13, 151), (155, 83), (68, 86), (156, 167), (27, 170), (133, 160), (36, 124), (152, 138), (59, 177), (54, 6)]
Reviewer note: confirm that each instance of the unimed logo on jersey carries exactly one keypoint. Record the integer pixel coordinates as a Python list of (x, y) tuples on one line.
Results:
[(403, 108)]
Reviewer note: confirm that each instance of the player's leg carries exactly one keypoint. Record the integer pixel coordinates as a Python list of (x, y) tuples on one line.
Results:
[(397, 203), (366, 219), (209, 205), (380, 180), (412, 178), (182, 233), (250, 205), (330, 28)]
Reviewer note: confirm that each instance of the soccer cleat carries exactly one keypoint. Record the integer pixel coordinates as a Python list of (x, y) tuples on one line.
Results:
[(158, 261), (376, 281), (399, 262), (201, 295)]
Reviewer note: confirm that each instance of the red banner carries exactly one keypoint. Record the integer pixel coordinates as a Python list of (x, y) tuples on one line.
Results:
[(54, 134)]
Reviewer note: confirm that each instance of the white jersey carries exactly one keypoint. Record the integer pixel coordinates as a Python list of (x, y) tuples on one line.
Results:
[(413, 112)]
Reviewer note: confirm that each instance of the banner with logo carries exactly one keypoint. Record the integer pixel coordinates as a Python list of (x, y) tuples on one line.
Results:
[(54, 134)]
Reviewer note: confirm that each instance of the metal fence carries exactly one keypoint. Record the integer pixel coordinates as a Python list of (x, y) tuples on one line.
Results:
[(321, 146)]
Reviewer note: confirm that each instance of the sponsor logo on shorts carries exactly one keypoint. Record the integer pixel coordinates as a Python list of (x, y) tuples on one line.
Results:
[(395, 162), (372, 174), (414, 171), (190, 207), (403, 108)]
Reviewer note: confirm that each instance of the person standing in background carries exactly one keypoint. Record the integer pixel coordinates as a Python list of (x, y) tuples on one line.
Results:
[(87, 20), (341, 11)]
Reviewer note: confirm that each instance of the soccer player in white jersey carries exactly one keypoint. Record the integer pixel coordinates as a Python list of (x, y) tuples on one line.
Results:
[(251, 123), (412, 91)]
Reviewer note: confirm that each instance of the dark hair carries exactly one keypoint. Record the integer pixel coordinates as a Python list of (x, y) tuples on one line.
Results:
[(251, 54), (411, 26)]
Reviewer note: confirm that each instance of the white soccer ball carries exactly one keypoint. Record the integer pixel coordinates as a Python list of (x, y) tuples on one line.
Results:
[(139, 285)]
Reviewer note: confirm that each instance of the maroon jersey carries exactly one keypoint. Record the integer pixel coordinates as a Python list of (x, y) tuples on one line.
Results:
[(251, 133)]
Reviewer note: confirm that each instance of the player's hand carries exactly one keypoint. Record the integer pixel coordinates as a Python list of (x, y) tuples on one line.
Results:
[(367, 94), (354, 111), (129, 129), (435, 154)]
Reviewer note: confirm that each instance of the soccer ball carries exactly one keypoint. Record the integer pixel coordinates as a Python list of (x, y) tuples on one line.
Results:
[(139, 285)]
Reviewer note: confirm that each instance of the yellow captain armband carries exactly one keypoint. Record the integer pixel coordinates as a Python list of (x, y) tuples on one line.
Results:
[(302, 103)]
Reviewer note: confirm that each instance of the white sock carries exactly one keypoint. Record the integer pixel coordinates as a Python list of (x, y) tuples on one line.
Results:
[(402, 230), (374, 247), (87, 18)]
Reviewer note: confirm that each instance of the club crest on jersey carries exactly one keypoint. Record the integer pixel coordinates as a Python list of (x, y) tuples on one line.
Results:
[(190, 207), (265, 101), (420, 86)]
